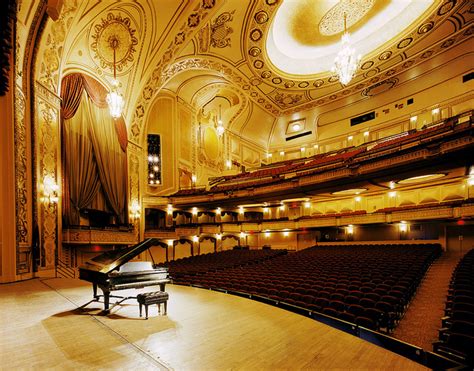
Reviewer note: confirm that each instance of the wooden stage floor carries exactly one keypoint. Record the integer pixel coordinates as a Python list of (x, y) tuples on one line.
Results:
[(41, 328)]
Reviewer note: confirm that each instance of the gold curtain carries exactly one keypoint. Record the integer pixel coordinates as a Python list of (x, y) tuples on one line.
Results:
[(80, 167), (110, 158)]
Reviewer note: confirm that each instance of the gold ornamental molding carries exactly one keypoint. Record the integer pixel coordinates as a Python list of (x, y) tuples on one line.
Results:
[(81, 237)]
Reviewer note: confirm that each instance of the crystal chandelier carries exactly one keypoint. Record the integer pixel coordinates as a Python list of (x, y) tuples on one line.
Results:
[(346, 63), (220, 126), (114, 99)]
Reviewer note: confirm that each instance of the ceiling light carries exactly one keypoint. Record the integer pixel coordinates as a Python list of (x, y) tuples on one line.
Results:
[(296, 127), (220, 127), (421, 178), (114, 99), (352, 191), (346, 63)]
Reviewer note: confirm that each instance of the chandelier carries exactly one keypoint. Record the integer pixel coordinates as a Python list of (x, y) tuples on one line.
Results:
[(114, 98), (220, 126), (346, 63)]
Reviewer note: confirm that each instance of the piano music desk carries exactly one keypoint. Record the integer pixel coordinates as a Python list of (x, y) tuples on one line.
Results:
[(149, 298)]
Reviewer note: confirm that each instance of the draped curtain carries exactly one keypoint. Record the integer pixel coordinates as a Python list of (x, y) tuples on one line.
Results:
[(94, 150)]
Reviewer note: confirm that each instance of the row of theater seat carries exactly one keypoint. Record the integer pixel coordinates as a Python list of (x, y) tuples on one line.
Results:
[(216, 261), (456, 337), (367, 285)]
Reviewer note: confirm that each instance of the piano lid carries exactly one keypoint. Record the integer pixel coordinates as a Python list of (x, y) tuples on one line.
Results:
[(110, 260)]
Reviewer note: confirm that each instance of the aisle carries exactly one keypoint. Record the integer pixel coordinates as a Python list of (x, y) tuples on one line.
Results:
[(422, 320)]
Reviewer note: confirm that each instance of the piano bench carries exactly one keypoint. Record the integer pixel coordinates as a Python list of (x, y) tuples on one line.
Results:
[(149, 298)]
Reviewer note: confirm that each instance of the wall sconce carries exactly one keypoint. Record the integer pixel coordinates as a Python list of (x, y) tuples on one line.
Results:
[(195, 239), (267, 234), (307, 205), (357, 199), (366, 133), (282, 207), (350, 229), (228, 164), (403, 227), (193, 178), (169, 209), (218, 236), (265, 210), (50, 190), (392, 194), (241, 210), (170, 243), (350, 137), (286, 233), (134, 211), (218, 211), (194, 211)]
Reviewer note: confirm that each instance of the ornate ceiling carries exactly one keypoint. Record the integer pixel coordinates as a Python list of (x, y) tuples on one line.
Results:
[(271, 58)]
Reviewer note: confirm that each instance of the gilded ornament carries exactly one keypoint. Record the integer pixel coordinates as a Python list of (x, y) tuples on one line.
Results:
[(385, 55), (289, 84), (254, 51), (318, 83), (266, 74), (425, 28), (276, 80), (446, 7), (404, 43), (120, 28), (261, 17), (303, 84), (258, 64), (255, 34), (220, 31)]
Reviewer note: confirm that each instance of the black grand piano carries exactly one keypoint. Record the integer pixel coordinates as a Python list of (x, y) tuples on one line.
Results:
[(113, 270)]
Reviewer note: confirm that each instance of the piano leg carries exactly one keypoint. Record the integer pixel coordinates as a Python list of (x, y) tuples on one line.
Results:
[(106, 301), (94, 289), (162, 286)]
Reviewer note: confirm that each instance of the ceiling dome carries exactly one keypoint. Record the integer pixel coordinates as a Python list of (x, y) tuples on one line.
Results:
[(304, 37)]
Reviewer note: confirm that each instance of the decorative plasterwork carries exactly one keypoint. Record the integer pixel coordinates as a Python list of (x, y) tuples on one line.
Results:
[(220, 31), (205, 92), (374, 69), (156, 81), (113, 26), (21, 171), (351, 12), (47, 156)]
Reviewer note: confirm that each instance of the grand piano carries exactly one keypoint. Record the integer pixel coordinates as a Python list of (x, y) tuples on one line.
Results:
[(113, 270)]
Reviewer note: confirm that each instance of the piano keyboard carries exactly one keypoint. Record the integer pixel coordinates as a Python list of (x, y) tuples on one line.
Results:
[(138, 284)]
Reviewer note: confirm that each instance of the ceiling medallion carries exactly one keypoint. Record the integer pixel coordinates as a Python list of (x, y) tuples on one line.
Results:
[(332, 22), (114, 26)]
